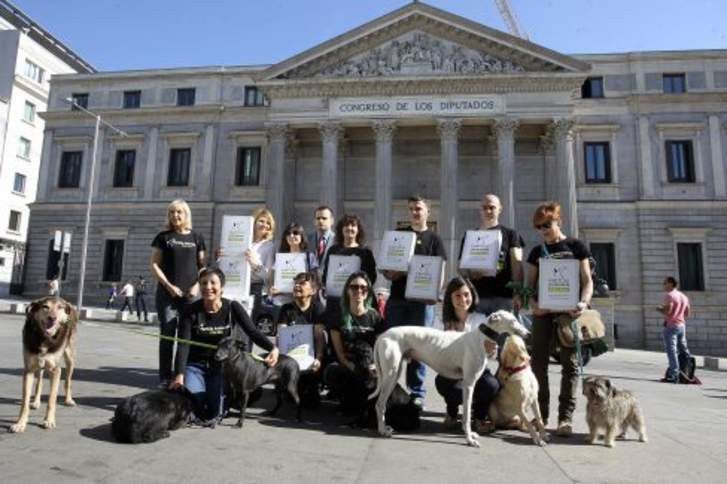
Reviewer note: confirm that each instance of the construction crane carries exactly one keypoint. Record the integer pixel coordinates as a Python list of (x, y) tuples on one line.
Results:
[(508, 15)]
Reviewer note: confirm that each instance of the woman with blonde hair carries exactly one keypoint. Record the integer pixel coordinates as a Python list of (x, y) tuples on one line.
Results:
[(177, 255)]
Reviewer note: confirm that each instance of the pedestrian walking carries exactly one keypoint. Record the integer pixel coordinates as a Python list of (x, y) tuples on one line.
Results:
[(140, 299), (127, 292), (112, 295), (53, 288), (675, 308)]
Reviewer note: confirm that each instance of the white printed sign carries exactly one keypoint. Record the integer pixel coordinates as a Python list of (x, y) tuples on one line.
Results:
[(235, 239), (481, 251), (424, 278), (339, 268), (558, 284), (297, 342), (287, 266), (397, 248)]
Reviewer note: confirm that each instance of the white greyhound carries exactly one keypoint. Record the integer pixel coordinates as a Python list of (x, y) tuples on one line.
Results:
[(449, 353)]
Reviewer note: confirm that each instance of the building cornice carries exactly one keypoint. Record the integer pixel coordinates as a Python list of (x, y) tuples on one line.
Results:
[(68, 115)]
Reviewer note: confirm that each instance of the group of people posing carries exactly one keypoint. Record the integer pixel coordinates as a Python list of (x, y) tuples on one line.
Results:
[(190, 304)]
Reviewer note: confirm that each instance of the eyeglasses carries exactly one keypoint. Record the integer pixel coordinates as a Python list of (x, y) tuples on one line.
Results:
[(544, 225), (358, 287)]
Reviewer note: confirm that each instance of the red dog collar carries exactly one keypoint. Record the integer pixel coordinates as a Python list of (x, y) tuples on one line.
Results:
[(512, 370)]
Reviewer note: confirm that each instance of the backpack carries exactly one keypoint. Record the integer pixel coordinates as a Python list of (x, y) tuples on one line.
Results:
[(687, 367)]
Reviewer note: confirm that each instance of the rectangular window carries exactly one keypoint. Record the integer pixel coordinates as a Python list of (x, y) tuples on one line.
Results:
[(605, 256), (253, 96), (14, 221), (185, 97), (674, 83), (24, 148), (592, 88), (113, 260), (52, 267), (29, 112), (124, 168), (691, 271), (19, 183), (132, 99), (69, 175), (680, 161), (34, 71), (598, 162), (247, 172), (179, 159), (79, 99)]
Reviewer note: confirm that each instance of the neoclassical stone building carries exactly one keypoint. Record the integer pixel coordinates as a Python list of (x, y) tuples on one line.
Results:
[(417, 101)]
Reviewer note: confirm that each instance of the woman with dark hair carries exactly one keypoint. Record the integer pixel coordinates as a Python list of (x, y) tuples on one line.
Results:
[(556, 245), (349, 241), (293, 240), (458, 314), (359, 325), (208, 321)]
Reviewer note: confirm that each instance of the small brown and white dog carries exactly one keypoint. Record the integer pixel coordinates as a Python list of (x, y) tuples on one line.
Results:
[(611, 410), (518, 395), (48, 337)]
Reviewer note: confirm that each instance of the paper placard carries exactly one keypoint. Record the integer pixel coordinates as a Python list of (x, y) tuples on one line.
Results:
[(235, 239), (297, 342), (287, 266), (424, 278), (397, 248), (558, 284), (481, 251), (339, 268)]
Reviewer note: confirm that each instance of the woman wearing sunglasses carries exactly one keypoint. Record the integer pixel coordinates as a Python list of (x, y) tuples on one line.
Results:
[(557, 245), (353, 334)]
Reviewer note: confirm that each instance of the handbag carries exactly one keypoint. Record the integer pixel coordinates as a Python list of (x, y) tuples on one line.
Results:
[(588, 328)]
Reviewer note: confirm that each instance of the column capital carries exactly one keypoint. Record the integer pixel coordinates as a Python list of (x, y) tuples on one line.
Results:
[(562, 128), (384, 130), (505, 126), (330, 130), (277, 131), (448, 128)]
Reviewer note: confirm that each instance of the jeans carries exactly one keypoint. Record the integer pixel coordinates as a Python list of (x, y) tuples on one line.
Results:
[(168, 313), (484, 393), (400, 312), (675, 343), (204, 382), (543, 339)]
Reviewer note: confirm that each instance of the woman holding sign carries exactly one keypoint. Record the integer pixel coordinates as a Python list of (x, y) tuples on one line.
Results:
[(551, 301), (209, 321), (351, 336), (340, 262), (177, 254), (281, 284)]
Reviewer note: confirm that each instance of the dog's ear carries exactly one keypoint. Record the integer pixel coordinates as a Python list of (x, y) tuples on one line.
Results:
[(72, 312), (34, 306), (610, 390)]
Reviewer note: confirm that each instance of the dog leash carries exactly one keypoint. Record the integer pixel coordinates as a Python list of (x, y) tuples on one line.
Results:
[(577, 341)]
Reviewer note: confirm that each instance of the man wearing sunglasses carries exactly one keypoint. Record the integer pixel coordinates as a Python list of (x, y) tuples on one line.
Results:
[(399, 310), (493, 291)]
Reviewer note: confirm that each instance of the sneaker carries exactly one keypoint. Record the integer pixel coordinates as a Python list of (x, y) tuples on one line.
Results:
[(565, 428), (418, 402), (483, 427)]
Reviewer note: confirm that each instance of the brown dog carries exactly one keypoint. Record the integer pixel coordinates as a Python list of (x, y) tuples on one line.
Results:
[(48, 336)]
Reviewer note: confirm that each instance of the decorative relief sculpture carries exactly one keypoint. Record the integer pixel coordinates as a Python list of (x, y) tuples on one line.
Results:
[(420, 53)]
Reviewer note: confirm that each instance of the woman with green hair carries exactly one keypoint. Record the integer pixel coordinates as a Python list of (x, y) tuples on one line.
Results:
[(351, 336)]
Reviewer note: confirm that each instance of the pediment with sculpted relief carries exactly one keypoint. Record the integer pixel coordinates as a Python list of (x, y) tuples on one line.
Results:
[(421, 40)]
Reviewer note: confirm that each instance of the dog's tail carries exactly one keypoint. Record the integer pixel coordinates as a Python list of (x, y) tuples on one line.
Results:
[(377, 364)]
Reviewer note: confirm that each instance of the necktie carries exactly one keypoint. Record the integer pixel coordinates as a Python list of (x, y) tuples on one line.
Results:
[(321, 247)]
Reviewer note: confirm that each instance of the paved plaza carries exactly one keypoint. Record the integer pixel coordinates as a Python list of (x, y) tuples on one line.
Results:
[(686, 426)]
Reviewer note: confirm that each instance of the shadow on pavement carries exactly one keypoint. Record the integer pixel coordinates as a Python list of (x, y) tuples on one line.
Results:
[(99, 432), (124, 376)]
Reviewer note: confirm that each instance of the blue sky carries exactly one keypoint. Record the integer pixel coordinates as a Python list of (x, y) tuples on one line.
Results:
[(135, 34)]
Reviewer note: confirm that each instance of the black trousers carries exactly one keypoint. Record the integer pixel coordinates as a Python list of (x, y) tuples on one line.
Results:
[(485, 391)]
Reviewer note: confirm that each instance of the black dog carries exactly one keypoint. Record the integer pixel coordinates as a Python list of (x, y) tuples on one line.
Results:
[(245, 373), (401, 413), (149, 416)]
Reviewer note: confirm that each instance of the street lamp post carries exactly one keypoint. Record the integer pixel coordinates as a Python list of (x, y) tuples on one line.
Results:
[(89, 200)]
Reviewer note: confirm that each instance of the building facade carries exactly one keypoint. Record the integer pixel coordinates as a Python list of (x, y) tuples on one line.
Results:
[(29, 57), (417, 101)]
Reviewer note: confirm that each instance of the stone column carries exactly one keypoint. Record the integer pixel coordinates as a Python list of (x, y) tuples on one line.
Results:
[(204, 186), (47, 172), (275, 192), (547, 148), (150, 183), (98, 175), (646, 165), (291, 158), (331, 132), (505, 168), (718, 168), (566, 175), (384, 132), (448, 129)]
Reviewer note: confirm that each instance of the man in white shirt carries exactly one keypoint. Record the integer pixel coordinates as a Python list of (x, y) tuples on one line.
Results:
[(128, 294)]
